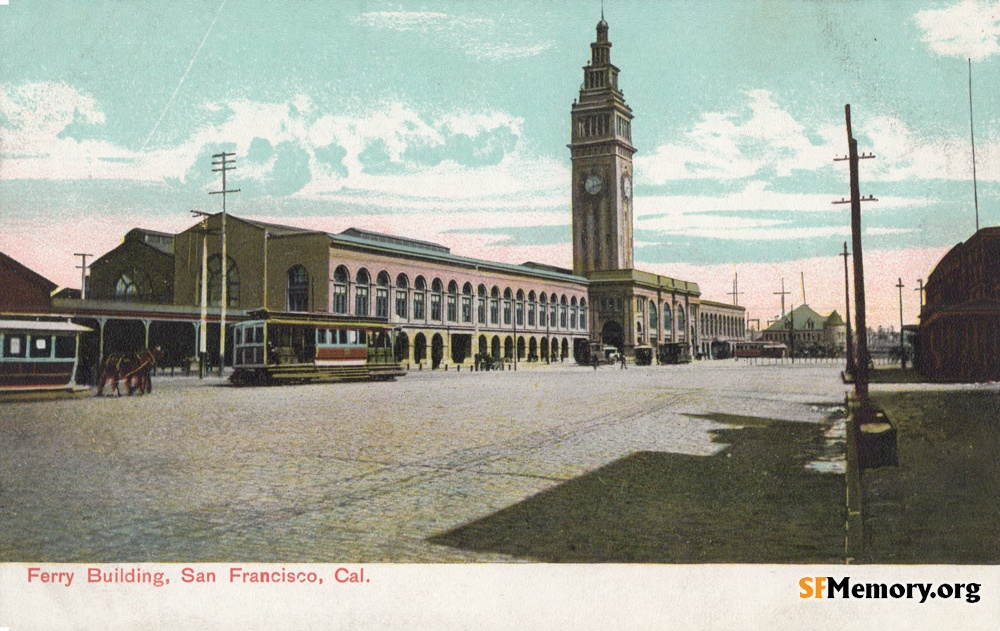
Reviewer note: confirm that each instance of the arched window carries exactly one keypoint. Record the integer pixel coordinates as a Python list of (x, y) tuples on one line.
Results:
[(562, 312), (340, 277), (495, 305), (519, 308), (583, 313), (215, 281), (133, 286), (552, 311), (298, 289), (452, 301), (543, 309), (532, 309), (680, 319), (653, 320), (382, 295), (508, 296), (667, 320), (362, 297), (467, 302), (437, 289), (481, 305), (402, 299), (419, 306)]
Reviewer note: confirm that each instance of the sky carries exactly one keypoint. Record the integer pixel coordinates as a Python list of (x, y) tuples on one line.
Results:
[(448, 122)]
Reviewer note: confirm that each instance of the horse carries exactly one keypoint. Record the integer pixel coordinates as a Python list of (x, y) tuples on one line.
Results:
[(132, 368)]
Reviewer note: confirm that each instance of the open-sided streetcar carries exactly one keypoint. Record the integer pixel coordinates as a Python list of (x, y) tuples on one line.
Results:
[(279, 347), (38, 357)]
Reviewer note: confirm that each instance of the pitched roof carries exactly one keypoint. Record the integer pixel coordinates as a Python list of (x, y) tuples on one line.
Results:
[(801, 316), (26, 272)]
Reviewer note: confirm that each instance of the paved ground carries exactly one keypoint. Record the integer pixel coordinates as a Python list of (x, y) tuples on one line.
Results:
[(355, 472)]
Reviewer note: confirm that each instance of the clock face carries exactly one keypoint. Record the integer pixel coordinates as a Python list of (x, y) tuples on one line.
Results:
[(627, 187), (593, 184)]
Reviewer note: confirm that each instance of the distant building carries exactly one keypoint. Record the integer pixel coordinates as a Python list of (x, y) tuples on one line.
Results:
[(806, 333), (721, 327), (959, 335), (24, 290)]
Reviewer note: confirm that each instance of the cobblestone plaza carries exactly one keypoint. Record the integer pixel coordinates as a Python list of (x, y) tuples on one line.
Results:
[(201, 471)]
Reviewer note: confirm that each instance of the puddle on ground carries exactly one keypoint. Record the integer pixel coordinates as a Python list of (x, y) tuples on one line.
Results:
[(833, 457)]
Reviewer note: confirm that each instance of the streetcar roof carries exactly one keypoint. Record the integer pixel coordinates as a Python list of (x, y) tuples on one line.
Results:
[(32, 326)]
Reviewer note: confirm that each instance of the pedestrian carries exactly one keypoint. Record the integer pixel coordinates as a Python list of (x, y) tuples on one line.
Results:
[(621, 358), (593, 360)]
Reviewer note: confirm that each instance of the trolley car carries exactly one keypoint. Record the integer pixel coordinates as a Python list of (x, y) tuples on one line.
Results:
[(759, 349), (674, 353), (38, 358), (287, 348)]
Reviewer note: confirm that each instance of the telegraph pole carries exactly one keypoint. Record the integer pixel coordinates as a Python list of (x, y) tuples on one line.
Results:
[(920, 288), (782, 293), (736, 293), (902, 355), (224, 163), (83, 274), (847, 299), (203, 328), (972, 135), (861, 328)]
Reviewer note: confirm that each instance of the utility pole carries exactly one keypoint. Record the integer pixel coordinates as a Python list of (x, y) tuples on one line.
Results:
[(802, 281), (735, 293), (847, 299), (782, 293), (920, 288), (83, 274), (224, 164), (972, 135), (902, 349), (861, 328), (203, 328)]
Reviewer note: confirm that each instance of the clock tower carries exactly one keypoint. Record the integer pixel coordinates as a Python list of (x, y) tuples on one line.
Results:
[(601, 150)]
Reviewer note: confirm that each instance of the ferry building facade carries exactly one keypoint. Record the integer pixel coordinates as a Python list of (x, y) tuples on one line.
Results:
[(447, 308)]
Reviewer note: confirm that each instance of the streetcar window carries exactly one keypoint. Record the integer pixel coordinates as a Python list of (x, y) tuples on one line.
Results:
[(320, 336), (65, 346), (14, 346), (259, 335), (362, 337), (348, 337), (41, 346), (239, 335)]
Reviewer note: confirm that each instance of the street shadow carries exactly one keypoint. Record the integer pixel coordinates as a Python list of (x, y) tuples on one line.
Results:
[(752, 502)]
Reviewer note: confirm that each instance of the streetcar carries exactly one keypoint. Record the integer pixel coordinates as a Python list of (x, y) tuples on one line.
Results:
[(643, 355), (674, 353), (39, 358), (759, 349), (287, 348)]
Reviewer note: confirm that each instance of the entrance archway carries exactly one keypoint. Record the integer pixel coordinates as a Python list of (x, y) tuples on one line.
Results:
[(419, 347), (495, 348), (437, 351), (401, 349), (508, 348), (612, 334), (545, 349)]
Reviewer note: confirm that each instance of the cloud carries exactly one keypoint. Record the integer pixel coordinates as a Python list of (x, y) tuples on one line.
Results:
[(761, 140), (904, 154), (969, 29), (390, 154), (760, 137), (479, 38)]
